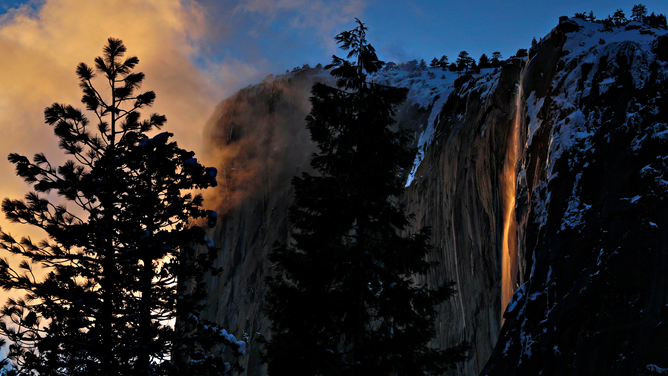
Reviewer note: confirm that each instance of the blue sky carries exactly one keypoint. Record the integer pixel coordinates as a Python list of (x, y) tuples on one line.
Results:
[(270, 36), (404, 30)]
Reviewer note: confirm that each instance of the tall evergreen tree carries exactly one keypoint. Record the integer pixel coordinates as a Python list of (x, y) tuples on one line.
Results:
[(344, 300), (117, 268)]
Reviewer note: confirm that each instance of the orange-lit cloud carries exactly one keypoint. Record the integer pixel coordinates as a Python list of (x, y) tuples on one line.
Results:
[(255, 147), (175, 40), (41, 48)]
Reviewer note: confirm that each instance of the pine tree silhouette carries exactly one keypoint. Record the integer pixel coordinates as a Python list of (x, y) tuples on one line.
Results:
[(128, 258), (344, 300)]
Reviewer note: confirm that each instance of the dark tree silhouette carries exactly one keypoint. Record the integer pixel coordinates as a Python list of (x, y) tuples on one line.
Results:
[(496, 59), (639, 12), (484, 62), (118, 267), (343, 300), (464, 61), (656, 21), (619, 17), (443, 62)]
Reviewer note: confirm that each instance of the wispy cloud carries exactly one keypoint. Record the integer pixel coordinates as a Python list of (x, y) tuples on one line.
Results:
[(317, 16)]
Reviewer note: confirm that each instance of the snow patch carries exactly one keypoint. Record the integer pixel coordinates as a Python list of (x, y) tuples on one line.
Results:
[(508, 344), (574, 211), (657, 369), (534, 105), (517, 297)]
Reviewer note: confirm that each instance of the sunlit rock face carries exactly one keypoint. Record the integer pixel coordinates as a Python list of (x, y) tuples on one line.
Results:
[(591, 209), (258, 140), (458, 193), (544, 183)]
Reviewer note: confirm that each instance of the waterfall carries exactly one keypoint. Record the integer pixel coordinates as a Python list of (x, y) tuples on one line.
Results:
[(509, 189)]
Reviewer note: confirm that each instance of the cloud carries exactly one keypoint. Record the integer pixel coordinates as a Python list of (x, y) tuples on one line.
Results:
[(235, 73), (42, 43), (319, 16), (258, 137), (395, 51), (194, 53)]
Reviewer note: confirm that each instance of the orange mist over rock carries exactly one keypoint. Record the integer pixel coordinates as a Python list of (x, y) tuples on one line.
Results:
[(508, 187)]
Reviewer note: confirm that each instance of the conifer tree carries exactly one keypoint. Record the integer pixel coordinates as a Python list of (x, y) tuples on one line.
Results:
[(443, 62), (474, 67), (344, 300), (496, 59), (661, 20), (121, 262), (464, 62), (639, 12), (581, 16), (484, 62), (619, 17)]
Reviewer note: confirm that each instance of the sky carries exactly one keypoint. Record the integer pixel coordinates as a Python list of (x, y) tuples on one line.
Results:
[(197, 52)]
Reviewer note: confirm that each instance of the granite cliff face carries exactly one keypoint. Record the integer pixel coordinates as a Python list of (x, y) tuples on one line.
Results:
[(458, 192), (264, 144), (546, 176), (591, 208)]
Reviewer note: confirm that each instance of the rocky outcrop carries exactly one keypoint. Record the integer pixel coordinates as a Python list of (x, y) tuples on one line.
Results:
[(660, 47), (592, 215)]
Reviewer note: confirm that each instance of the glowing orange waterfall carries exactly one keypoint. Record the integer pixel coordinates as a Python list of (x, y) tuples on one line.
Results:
[(508, 187)]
